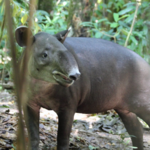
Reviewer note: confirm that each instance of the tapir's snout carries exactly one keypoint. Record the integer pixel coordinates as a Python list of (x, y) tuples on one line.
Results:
[(74, 73), (75, 76), (65, 79)]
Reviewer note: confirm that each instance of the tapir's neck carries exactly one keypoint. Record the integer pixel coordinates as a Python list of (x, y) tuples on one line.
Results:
[(41, 93)]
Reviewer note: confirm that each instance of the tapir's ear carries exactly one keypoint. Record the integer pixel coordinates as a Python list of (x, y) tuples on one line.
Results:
[(21, 35), (61, 36)]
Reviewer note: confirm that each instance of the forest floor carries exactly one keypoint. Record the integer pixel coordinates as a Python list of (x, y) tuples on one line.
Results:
[(103, 131)]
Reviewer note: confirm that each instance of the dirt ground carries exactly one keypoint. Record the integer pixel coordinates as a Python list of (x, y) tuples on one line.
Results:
[(89, 132)]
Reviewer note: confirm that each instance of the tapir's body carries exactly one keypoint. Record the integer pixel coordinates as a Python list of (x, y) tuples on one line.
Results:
[(112, 77)]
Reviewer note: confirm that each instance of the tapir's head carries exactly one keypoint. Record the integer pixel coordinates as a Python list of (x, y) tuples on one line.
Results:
[(49, 59)]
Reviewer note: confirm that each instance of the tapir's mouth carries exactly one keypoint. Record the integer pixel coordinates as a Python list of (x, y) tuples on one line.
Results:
[(62, 78)]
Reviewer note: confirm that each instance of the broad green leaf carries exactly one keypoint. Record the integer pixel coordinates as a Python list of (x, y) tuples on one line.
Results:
[(87, 24), (17, 4), (104, 5), (126, 10), (117, 33), (101, 20), (15, 10), (130, 4), (116, 17), (2, 8), (24, 19), (98, 34), (125, 32), (40, 19), (48, 19), (41, 12), (124, 16), (145, 30), (129, 19), (114, 25), (139, 34), (133, 40), (144, 42), (4, 106), (65, 12), (139, 48), (108, 10), (124, 25)]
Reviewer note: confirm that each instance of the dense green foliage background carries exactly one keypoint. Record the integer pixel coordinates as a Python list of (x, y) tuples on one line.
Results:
[(110, 20)]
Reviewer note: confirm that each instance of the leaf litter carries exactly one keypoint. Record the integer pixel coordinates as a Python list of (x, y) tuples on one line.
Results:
[(103, 131)]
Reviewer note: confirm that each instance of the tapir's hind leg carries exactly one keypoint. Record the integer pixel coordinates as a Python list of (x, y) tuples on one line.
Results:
[(145, 114), (133, 127)]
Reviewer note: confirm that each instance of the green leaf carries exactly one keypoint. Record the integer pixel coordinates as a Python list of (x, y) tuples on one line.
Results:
[(134, 40), (129, 19), (145, 30), (24, 19), (4, 106), (101, 20), (15, 11), (129, 4), (87, 24), (139, 34), (108, 10), (41, 12), (125, 32), (98, 34), (124, 16), (48, 19), (92, 147), (116, 17), (114, 25), (65, 12), (2, 8), (126, 10)]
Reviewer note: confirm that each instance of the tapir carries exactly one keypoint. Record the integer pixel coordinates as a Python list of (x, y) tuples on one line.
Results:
[(84, 75)]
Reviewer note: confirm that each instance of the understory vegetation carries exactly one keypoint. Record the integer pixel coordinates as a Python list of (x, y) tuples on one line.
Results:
[(99, 19)]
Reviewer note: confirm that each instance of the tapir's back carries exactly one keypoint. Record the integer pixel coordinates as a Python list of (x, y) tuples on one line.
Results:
[(110, 72), (92, 47), (103, 54)]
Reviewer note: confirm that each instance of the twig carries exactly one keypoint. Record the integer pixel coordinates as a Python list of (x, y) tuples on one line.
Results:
[(24, 67), (3, 72), (109, 36), (20, 73), (58, 2), (133, 22), (8, 13)]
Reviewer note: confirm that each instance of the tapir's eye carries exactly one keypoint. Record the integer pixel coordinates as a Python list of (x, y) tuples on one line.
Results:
[(44, 55)]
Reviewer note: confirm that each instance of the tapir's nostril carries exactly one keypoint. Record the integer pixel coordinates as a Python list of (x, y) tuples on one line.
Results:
[(74, 76)]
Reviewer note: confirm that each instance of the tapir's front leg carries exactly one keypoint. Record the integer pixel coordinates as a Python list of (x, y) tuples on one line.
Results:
[(64, 128), (32, 122)]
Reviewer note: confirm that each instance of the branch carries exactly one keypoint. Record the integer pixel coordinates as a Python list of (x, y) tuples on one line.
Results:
[(8, 13), (133, 22), (20, 72)]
